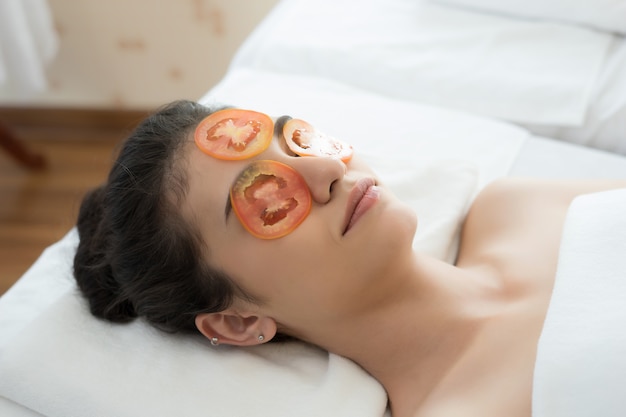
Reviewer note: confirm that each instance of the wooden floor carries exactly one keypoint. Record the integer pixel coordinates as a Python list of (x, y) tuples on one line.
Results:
[(38, 207)]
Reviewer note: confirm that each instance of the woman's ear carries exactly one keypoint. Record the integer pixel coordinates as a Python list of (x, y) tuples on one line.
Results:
[(234, 328)]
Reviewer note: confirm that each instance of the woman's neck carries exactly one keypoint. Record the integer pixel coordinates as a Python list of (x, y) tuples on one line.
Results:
[(415, 339)]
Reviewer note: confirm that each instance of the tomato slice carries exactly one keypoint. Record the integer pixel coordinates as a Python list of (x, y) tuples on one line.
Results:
[(234, 134), (270, 199), (304, 140)]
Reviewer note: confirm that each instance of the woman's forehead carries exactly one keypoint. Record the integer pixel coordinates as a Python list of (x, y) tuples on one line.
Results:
[(208, 187)]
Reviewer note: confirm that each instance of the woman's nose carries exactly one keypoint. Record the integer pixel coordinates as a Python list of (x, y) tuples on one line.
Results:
[(320, 173)]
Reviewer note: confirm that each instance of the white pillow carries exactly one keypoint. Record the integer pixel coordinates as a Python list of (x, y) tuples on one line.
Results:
[(608, 15), (67, 363)]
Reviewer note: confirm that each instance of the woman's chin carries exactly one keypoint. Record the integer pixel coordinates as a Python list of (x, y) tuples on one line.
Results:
[(398, 225)]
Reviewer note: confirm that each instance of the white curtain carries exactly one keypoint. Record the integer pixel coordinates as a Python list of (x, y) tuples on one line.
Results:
[(28, 42)]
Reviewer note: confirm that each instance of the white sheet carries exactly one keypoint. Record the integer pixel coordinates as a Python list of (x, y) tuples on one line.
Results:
[(522, 71), (604, 126), (559, 81), (13, 409), (548, 158), (581, 366)]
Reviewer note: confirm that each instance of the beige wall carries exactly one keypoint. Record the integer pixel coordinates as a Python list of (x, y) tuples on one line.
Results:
[(138, 54)]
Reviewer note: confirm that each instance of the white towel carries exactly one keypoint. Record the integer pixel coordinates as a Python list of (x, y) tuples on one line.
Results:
[(581, 362)]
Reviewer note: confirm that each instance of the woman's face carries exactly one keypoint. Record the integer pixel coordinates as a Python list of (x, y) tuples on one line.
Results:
[(333, 263)]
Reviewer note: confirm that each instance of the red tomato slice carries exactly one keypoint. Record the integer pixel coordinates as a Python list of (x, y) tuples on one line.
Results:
[(234, 134), (270, 199), (304, 140)]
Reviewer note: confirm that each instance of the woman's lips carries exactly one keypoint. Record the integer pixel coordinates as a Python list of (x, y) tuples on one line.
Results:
[(363, 196)]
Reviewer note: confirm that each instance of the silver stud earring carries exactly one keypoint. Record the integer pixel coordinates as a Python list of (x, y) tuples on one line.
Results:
[(214, 341), (261, 338)]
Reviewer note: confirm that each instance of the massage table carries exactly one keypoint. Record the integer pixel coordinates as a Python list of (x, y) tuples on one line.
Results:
[(371, 73)]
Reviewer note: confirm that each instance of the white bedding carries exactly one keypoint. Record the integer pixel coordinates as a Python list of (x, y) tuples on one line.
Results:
[(581, 368), (563, 81), (516, 70)]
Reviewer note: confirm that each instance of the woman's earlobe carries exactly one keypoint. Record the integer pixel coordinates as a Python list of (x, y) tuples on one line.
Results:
[(231, 328)]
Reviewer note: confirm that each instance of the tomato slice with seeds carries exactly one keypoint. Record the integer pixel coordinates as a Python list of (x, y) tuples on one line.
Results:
[(304, 140), (270, 199), (234, 134)]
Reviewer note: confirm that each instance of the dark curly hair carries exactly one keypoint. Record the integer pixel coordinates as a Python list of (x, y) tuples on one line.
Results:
[(137, 256)]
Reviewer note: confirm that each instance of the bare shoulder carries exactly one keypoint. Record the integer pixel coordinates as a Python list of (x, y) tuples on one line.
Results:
[(521, 218), (509, 202), (526, 192)]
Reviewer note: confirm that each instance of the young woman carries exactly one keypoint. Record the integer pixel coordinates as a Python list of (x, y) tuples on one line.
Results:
[(282, 239)]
